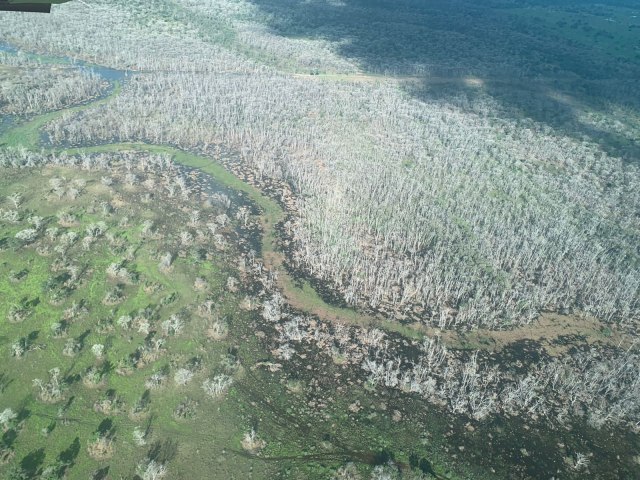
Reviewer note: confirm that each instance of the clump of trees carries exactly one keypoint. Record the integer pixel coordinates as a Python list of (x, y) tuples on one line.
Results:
[(51, 390), (7, 419), (252, 443), (102, 448), (217, 386), (152, 470)]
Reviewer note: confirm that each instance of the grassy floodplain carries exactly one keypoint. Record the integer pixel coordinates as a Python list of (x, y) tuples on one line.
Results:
[(95, 400)]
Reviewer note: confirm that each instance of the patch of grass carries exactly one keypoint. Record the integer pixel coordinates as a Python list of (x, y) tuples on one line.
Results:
[(49, 429)]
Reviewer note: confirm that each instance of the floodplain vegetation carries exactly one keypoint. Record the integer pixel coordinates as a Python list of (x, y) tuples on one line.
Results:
[(471, 212), (109, 301)]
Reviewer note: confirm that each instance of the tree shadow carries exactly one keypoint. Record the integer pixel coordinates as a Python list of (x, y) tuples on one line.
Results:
[(149, 426), (23, 414), (101, 474), (68, 403), (72, 378), (82, 338), (145, 398), (9, 437), (421, 463), (106, 428), (34, 302), (51, 427), (163, 451), (69, 455), (32, 462), (32, 337), (107, 367)]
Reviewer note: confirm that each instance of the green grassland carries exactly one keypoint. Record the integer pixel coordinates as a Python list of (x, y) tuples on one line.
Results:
[(73, 415)]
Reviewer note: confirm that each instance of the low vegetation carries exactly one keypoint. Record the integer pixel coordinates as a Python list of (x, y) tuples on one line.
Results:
[(99, 327)]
